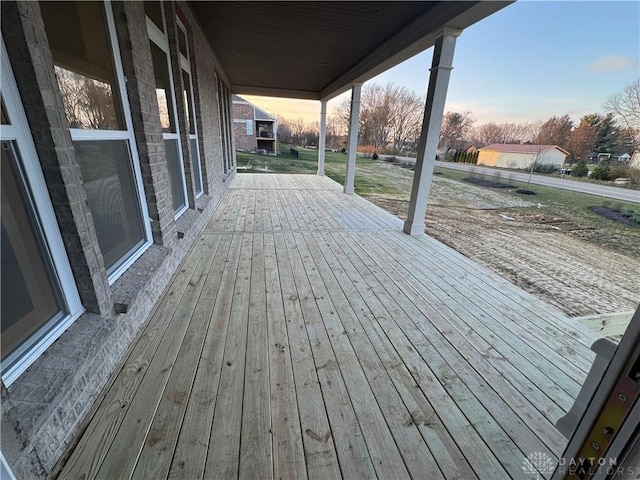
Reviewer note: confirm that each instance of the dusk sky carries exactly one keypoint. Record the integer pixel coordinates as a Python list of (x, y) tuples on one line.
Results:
[(527, 62)]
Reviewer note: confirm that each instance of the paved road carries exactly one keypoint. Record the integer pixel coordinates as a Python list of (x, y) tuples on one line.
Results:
[(577, 186)]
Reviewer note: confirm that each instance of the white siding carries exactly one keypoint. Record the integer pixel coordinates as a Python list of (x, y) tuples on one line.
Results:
[(494, 158)]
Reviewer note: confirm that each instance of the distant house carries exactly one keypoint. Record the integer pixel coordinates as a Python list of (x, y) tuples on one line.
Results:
[(254, 129), (622, 157), (596, 157), (521, 156)]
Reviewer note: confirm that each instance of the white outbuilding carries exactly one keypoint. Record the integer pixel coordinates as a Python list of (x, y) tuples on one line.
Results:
[(506, 155)]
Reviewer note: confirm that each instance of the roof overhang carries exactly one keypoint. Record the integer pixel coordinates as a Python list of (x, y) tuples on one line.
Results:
[(318, 50)]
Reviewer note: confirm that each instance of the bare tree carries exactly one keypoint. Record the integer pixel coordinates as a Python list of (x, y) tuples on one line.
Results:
[(406, 118), (555, 131), (390, 115), (626, 106)]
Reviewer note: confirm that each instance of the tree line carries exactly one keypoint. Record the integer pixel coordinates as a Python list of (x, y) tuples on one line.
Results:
[(391, 119)]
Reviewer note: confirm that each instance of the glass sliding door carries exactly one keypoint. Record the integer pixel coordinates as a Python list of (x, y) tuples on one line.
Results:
[(39, 298), (166, 104), (87, 66)]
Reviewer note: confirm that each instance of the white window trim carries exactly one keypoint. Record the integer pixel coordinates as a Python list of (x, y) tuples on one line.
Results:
[(161, 40), (185, 64), (19, 132)]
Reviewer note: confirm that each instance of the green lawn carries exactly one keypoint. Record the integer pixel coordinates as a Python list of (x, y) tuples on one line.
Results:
[(370, 176)]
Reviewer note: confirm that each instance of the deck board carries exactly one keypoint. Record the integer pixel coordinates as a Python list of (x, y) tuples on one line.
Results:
[(305, 336)]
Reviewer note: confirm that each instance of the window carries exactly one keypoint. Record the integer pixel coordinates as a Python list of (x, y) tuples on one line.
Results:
[(39, 297), (189, 103), (153, 10), (250, 127), (168, 118), (86, 59), (225, 124)]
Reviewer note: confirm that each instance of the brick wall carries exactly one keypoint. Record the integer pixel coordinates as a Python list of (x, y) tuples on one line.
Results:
[(43, 409), (243, 111)]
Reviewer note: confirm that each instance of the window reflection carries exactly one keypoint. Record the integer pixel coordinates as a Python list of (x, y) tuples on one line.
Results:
[(88, 103), (79, 40), (163, 88)]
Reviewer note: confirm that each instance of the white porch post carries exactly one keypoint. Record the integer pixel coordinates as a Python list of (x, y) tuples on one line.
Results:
[(441, 67), (354, 119), (323, 136)]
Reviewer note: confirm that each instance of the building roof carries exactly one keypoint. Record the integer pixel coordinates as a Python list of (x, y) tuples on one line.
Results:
[(258, 113), (317, 50), (262, 115), (522, 148)]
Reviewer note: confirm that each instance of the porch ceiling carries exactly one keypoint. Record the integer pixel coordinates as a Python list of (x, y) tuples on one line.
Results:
[(317, 50)]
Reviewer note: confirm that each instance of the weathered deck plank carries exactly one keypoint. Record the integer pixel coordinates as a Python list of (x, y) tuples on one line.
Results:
[(305, 336)]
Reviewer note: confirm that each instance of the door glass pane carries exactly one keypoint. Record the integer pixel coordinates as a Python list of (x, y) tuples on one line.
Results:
[(193, 143), (113, 198), (80, 45), (163, 89), (153, 10), (5, 117), (175, 174), (30, 292), (188, 101)]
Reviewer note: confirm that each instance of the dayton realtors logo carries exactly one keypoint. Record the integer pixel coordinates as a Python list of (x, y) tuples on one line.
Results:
[(543, 465), (538, 463)]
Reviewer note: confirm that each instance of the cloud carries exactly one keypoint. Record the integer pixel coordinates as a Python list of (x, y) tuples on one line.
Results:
[(613, 62)]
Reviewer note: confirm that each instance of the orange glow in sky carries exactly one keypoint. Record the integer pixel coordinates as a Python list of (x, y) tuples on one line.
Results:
[(308, 110)]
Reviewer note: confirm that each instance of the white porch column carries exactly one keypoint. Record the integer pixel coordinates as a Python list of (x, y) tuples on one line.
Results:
[(323, 136), (354, 119), (441, 67)]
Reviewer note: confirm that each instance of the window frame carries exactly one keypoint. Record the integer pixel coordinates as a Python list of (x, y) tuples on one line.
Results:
[(161, 40), (128, 135), (185, 65), (33, 178)]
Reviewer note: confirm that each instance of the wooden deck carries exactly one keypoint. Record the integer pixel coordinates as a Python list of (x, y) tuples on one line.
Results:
[(306, 336)]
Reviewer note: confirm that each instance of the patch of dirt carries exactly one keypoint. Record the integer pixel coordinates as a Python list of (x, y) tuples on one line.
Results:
[(614, 215), (554, 258)]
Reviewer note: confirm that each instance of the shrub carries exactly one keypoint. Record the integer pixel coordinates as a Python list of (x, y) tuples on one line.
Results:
[(632, 215), (374, 156), (580, 170), (602, 171), (544, 168), (625, 171), (634, 175)]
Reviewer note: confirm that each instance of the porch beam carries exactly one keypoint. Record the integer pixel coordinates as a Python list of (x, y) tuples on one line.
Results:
[(441, 67), (323, 136), (354, 119)]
